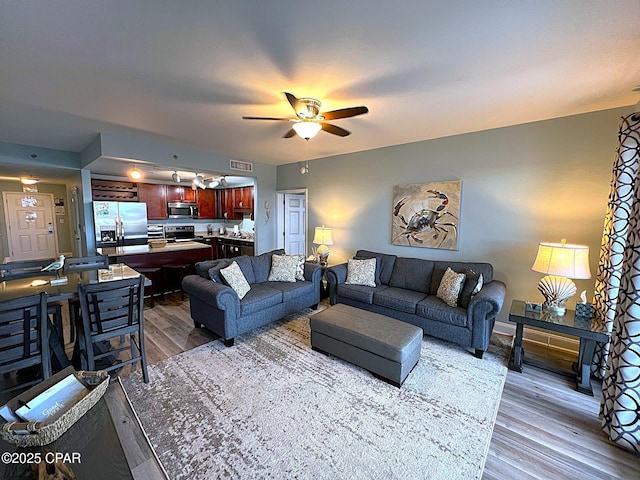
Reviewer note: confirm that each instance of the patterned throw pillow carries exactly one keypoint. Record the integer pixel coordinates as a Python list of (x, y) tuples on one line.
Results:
[(361, 272), (472, 285), (234, 277), (450, 287), (283, 268), (300, 268)]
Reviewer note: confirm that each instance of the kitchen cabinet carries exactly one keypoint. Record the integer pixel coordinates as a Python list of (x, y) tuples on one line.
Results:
[(225, 203), (155, 196), (230, 248), (212, 242), (243, 200), (113, 191), (178, 193), (207, 204)]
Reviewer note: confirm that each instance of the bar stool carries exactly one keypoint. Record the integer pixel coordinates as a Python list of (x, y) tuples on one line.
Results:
[(179, 270), (155, 274)]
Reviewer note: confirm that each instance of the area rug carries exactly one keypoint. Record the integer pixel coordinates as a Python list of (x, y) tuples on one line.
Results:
[(271, 407)]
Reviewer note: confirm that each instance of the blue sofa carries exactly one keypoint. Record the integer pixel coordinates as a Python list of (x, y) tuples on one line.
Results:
[(217, 307), (406, 290)]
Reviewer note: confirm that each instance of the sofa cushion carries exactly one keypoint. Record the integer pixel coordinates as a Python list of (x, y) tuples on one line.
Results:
[(361, 272), (260, 296), (412, 274), (450, 287), (214, 272), (386, 263), (398, 299), (292, 290), (283, 268), (358, 292), (486, 269), (262, 265), (472, 285), (435, 309), (232, 276), (244, 262)]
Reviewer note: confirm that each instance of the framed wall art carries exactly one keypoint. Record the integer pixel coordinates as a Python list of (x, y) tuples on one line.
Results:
[(426, 214)]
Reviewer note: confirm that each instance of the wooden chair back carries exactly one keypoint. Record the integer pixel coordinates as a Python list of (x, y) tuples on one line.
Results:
[(25, 269), (76, 264)]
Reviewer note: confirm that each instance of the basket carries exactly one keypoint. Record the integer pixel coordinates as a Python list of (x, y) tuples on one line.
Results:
[(157, 243), (41, 433)]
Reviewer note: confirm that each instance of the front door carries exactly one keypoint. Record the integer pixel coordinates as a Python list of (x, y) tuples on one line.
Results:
[(30, 224), (295, 211)]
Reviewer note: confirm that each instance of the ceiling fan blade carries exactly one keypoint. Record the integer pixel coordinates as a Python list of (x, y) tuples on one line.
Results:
[(296, 104), (289, 134), (341, 132), (267, 118), (345, 113)]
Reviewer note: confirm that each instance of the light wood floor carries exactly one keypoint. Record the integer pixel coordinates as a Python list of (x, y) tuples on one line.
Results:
[(544, 427)]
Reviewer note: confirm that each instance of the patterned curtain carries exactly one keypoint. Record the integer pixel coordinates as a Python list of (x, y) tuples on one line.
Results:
[(617, 295)]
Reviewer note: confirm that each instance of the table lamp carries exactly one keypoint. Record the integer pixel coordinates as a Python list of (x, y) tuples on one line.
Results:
[(323, 237), (561, 262)]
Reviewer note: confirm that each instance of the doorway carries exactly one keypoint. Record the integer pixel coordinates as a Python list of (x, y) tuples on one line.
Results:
[(292, 221), (30, 226)]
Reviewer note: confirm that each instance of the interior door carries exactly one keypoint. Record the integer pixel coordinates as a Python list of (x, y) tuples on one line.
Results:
[(295, 211), (30, 225)]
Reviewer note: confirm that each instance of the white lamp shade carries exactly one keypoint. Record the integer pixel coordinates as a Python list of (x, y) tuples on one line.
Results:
[(307, 130), (564, 260), (323, 236)]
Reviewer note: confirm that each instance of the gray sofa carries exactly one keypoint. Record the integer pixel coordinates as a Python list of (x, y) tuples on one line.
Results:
[(217, 307), (406, 290)]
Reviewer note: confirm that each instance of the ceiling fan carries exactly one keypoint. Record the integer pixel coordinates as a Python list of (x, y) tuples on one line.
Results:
[(309, 121)]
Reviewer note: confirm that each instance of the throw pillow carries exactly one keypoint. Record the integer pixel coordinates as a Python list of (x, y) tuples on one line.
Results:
[(361, 272), (450, 287), (283, 268), (378, 266), (214, 272), (234, 277), (300, 268), (472, 285)]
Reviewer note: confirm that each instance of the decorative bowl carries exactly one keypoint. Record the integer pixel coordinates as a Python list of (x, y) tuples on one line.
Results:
[(157, 243)]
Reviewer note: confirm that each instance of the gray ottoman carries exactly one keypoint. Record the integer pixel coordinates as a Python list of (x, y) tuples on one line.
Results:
[(386, 347)]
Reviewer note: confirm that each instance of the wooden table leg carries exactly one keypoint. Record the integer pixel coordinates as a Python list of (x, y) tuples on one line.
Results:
[(585, 359), (517, 353)]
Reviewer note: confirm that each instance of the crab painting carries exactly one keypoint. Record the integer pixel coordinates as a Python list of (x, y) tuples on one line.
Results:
[(423, 216)]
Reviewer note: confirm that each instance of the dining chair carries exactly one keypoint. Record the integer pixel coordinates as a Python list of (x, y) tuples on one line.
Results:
[(24, 338), (109, 310), (79, 264), (33, 268), (23, 269)]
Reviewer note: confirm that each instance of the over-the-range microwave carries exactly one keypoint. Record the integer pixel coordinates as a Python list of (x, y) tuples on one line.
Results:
[(182, 210)]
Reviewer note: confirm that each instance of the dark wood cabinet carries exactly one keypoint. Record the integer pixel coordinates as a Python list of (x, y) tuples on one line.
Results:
[(225, 203), (113, 191), (155, 196), (178, 193), (243, 200), (207, 204)]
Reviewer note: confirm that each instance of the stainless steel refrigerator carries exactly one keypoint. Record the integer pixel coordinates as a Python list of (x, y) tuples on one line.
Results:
[(120, 223)]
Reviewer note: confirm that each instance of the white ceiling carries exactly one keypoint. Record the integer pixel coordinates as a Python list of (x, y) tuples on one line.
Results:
[(188, 71)]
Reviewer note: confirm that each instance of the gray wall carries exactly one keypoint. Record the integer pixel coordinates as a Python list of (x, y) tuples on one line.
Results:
[(521, 185)]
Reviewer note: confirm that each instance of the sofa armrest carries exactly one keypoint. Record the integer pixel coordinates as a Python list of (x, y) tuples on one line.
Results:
[(215, 294), (313, 272), (482, 311), (335, 275)]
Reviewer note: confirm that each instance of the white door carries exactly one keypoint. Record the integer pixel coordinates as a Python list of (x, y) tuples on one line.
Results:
[(295, 211), (30, 223)]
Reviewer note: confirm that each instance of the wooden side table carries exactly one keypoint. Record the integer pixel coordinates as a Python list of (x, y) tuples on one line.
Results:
[(568, 324)]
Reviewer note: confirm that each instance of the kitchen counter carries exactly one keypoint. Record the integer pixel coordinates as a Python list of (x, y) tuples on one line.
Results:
[(225, 237), (146, 249)]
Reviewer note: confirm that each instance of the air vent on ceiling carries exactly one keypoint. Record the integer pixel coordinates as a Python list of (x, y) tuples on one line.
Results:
[(239, 165)]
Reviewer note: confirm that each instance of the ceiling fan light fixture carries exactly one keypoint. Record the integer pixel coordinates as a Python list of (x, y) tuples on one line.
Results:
[(307, 129), (28, 181), (176, 177)]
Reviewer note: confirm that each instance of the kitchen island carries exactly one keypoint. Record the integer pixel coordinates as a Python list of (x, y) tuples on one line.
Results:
[(148, 257)]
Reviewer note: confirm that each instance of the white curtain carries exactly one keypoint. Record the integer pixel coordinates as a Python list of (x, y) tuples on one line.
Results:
[(617, 294)]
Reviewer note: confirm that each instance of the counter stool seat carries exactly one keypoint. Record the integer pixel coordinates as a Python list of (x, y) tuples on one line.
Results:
[(177, 269), (156, 275)]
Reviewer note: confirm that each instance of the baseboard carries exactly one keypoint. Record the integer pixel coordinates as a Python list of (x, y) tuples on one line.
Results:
[(550, 340)]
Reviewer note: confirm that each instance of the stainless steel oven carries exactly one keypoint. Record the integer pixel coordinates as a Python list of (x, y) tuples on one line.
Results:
[(182, 210)]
